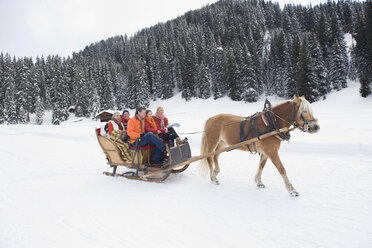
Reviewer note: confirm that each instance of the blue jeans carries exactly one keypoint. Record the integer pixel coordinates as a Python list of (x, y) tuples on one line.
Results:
[(151, 139)]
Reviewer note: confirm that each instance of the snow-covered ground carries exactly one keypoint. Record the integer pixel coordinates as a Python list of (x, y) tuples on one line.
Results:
[(53, 193)]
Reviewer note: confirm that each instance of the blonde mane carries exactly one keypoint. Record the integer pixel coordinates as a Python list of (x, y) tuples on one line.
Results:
[(305, 106)]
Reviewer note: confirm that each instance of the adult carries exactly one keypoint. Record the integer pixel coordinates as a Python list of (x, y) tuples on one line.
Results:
[(150, 124), (114, 124), (138, 136), (125, 118), (162, 122)]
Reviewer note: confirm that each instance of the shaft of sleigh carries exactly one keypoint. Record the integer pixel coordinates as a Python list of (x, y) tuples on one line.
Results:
[(229, 148)]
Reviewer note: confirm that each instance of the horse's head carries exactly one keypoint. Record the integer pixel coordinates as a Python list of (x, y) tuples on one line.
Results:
[(304, 117)]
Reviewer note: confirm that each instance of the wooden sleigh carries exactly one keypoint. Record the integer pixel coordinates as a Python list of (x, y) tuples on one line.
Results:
[(140, 165), (179, 156)]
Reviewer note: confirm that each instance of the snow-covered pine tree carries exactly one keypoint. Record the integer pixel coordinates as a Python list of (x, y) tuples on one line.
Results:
[(9, 104), (363, 50), (305, 75), (138, 92), (22, 88), (281, 65), (188, 69), (352, 71), (320, 70), (230, 76), (2, 88), (204, 81), (107, 96), (83, 92), (39, 111), (247, 77), (95, 108), (59, 93), (165, 77), (219, 88), (338, 60)]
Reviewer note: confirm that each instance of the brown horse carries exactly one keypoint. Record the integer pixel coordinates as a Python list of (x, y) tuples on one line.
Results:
[(224, 129)]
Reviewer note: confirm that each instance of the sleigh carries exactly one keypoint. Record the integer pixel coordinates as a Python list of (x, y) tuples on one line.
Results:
[(179, 158), (140, 168)]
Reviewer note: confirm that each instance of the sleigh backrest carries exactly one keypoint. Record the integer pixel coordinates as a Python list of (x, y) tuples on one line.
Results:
[(110, 149)]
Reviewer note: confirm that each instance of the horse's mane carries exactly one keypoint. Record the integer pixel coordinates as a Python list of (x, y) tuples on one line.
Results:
[(304, 106)]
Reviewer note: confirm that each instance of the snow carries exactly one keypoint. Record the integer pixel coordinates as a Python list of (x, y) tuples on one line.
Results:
[(53, 193)]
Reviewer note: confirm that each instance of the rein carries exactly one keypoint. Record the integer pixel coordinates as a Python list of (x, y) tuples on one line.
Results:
[(292, 114)]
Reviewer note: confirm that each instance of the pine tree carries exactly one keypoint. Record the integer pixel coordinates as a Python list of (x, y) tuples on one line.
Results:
[(204, 85), (9, 105), (22, 88), (320, 70), (304, 74), (83, 94), (230, 75), (95, 108), (59, 92), (138, 90), (2, 88), (39, 111), (338, 69), (219, 88), (364, 51), (247, 76), (107, 97)]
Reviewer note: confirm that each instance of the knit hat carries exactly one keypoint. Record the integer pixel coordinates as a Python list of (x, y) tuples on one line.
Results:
[(125, 111)]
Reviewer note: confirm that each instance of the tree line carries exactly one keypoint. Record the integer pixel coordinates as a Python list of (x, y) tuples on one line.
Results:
[(236, 48)]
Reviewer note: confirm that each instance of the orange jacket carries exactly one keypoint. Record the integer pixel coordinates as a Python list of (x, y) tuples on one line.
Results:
[(134, 128)]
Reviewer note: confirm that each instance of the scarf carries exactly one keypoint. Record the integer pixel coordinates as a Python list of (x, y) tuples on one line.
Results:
[(125, 122), (151, 121), (118, 123), (161, 118)]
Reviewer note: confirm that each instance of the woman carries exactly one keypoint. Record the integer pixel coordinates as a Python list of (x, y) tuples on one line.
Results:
[(125, 118), (150, 124), (114, 124), (162, 122)]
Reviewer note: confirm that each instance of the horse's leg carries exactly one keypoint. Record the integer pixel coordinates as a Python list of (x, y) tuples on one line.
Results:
[(263, 160), (274, 157), (216, 170), (211, 171)]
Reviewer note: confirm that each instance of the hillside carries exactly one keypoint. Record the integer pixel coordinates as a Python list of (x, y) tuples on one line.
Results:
[(233, 48)]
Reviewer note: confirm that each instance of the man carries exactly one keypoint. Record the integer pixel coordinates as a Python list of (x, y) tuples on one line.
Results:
[(125, 118), (136, 133)]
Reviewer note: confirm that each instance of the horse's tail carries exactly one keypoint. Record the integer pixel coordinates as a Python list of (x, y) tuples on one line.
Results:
[(204, 166)]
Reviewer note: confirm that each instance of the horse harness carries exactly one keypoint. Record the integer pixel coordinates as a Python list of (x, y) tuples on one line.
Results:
[(268, 117)]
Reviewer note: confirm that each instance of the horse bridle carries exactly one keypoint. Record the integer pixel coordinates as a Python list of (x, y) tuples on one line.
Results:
[(293, 115)]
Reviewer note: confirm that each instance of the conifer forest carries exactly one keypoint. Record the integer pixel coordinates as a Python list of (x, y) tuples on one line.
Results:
[(241, 49)]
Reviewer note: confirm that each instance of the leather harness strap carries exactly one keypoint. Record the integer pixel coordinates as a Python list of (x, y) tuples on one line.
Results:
[(268, 117)]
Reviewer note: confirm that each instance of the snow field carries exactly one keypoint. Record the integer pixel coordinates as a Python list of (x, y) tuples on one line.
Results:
[(53, 193)]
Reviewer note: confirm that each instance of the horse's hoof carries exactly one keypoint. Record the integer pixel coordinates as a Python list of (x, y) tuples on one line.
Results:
[(294, 193), (261, 186), (215, 182)]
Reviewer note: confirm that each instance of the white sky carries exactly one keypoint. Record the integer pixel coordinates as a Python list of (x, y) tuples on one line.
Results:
[(43, 27)]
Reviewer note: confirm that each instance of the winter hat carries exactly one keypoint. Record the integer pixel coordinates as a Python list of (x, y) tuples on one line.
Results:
[(125, 111)]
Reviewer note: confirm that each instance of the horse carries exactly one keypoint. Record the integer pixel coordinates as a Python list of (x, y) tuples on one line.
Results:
[(224, 130)]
